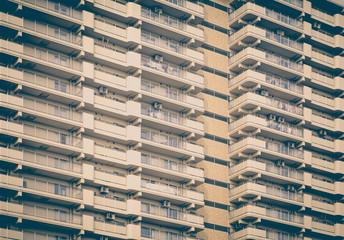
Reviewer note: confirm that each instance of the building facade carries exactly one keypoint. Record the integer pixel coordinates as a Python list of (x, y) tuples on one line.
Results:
[(171, 119)]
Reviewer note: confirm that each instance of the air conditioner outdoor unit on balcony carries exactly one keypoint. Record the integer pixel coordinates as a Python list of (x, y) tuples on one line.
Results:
[(316, 25), (158, 58), (280, 163), (291, 188), (157, 105), (271, 117), (104, 189), (103, 90), (291, 144), (158, 10), (280, 32), (280, 119), (110, 216), (264, 92), (166, 203), (322, 132)]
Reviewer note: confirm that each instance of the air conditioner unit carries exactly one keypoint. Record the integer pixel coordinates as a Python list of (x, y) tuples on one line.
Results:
[(157, 105), (280, 119), (158, 10), (166, 203), (271, 117), (110, 216), (104, 189), (103, 90), (280, 32), (291, 144), (158, 58), (316, 25), (280, 163), (291, 188), (322, 132), (264, 92)]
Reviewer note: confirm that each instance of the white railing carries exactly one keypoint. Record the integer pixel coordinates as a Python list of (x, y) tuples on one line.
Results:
[(112, 4)]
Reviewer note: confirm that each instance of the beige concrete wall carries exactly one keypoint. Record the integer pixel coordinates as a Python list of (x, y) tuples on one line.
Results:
[(215, 60), (215, 16), (215, 38)]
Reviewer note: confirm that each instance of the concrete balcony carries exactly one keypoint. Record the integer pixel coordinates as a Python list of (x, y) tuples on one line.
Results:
[(329, 82), (126, 86), (171, 122), (177, 171), (175, 194), (324, 206), (46, 113), (36, 135), (268, 61), (171, 145), (273, 83), (250, 10), (126, 36), (42, 32), (329, 61), (265, 148), (266, 104), (323, 101), (269, 214), (251, 189), (7, 233), (114, 229), (171, 97), (322, 16), (171, 217), (325, 227), (67, 220), (171, 24), (35, 83), (42, 189), (54, 11), (267, 171), (185, 6), (269, 38), (110, 105), (249, 233), (110, 204), (171, 73), (267, 128), (126, 11), (51, 166), (43, 59), (104, 54), (114, 180), (174, 51)]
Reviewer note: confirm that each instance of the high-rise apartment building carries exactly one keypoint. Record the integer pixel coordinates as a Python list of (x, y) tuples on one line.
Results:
[(171, 119)]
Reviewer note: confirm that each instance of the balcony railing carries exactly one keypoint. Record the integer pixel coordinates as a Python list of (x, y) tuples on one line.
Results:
[(271, 101), (111, 227), (283, 127), (171, 70), (171, 93), (170, 117), (170, 45), (30, 210), (298, 3), (170, 213), (262, 233), (269, 78), (110, 27), (112, 4), (164, 139), (195, 7), (285, 62), (57, 8), (171, 189), (323, 15), (151, 233), (110, 202), (171, 22), (281, 148), (53, 31), (43, 186), (274, 213), (42, 133), (268, 189), (273, 234), (16, 234), (170, 165), (268, 167), (41, 159), (52, 57), (111, 177), (268, 12), (322, 77), (110, 152), (269, 35)]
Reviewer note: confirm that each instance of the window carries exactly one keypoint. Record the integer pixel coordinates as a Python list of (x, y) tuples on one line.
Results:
[(60, 190)]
